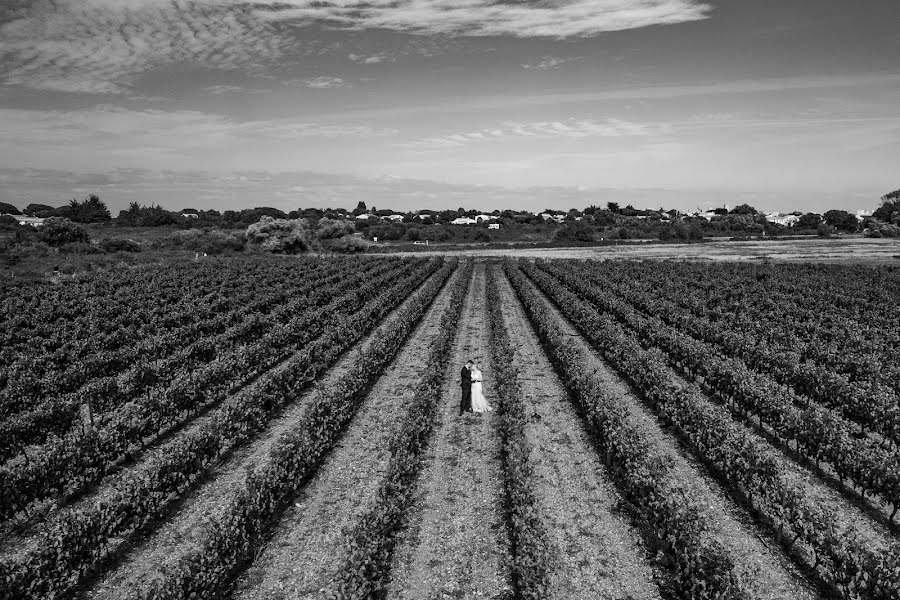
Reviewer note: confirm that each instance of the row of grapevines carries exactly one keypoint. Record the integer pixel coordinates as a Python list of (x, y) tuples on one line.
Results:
[(76, 541), (818, 433), (79, 362), (744, 465), (95, 315), (670, 519), (191, 349), (532, 557), (876, 409), (371, 541), (246, 522), (66, 465), (863, 344)]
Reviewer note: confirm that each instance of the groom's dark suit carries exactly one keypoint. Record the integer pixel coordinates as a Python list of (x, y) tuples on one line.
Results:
[(465, 382)]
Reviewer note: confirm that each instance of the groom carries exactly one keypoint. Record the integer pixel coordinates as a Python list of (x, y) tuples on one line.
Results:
[(465, 382)]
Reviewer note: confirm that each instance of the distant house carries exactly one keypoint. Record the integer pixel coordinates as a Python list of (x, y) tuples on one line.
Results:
[(190, 215), (785, 220), (549, 217), (494, 226), (483, 218), (395, 218), (363, 216), (463, 221), (24, 220)]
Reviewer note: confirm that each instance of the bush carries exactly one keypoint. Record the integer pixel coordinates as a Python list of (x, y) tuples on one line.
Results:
[(57, 231), (332, 229), (349, 244), (80, 248), (119, 245), (281, 236), (210, 241), (579, 231)]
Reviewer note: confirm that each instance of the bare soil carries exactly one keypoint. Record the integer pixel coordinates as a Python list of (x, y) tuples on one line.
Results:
[(599, 553), (772, 574), (310, 542), (456, 545), (812, 249), (186, 526)]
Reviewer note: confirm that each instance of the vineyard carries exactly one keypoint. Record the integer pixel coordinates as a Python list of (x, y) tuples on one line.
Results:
[(266, 428)]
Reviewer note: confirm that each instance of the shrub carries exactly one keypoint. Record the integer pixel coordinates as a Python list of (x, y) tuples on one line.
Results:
[(210, 241), (281, 236), (120, 245), (57, 231), (349, 244), (80, 248), (332, 229)]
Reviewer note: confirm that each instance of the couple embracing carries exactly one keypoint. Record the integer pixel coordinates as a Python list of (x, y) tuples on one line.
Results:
[(470, 380)]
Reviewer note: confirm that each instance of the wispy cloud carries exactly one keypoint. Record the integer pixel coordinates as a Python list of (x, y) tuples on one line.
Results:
[(232, 89), (320, 83), (570, 128), (103, 46), (554, 19), (550, 62)]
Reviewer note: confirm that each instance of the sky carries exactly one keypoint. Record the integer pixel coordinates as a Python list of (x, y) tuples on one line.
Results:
[(413, 104)]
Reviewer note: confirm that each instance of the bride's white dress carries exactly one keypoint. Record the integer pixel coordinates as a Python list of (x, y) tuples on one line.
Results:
[(479, 402)]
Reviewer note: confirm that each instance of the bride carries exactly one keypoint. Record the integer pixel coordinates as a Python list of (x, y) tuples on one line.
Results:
[(479, 402)]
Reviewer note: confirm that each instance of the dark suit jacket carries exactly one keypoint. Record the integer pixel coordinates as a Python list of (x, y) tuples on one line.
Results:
[(465, 377)]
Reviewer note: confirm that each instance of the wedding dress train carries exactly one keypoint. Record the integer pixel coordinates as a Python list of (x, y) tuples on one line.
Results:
[(479, 402)]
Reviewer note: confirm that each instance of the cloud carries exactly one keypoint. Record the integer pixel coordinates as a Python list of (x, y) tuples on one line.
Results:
[(553, 18), (103, 46), (550, 62), (232, 89), (319, 83), (571, 128)]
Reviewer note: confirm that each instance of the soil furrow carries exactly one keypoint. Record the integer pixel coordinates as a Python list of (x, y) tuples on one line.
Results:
[(185, 526), (456, 543), (755, 556), (598, 552), (308, 546)]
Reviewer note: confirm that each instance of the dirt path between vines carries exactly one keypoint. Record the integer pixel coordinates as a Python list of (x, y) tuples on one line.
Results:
[(599, 554), (186, 526), (456, 544), (760, 560), (310, 541)]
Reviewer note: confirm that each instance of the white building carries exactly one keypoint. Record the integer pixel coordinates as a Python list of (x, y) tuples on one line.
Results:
[(784, 220), (463, 221), (482, 218), (494, 226), (26, 220), (363, 216), (190, 215), (395, 218)]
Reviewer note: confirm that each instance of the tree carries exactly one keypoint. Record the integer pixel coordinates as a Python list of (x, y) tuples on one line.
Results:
[(90, 210), (360, 209), (579, 231), (281, 236), (56, 231), (841, 220), (9, 209), (809, 221), (744, 209), (890, 207), (38, 210), (612, 207)]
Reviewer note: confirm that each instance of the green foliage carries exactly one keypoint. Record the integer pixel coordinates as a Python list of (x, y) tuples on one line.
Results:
[(841, 220), (809, 221), (208, 241), (56, 231), (9, 209), (280, 236), (38, 210), (744, 209), (578, 231), (89, 210), (119, 245)]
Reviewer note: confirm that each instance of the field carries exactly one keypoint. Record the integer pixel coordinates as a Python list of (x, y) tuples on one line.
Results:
[(255, 427)]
